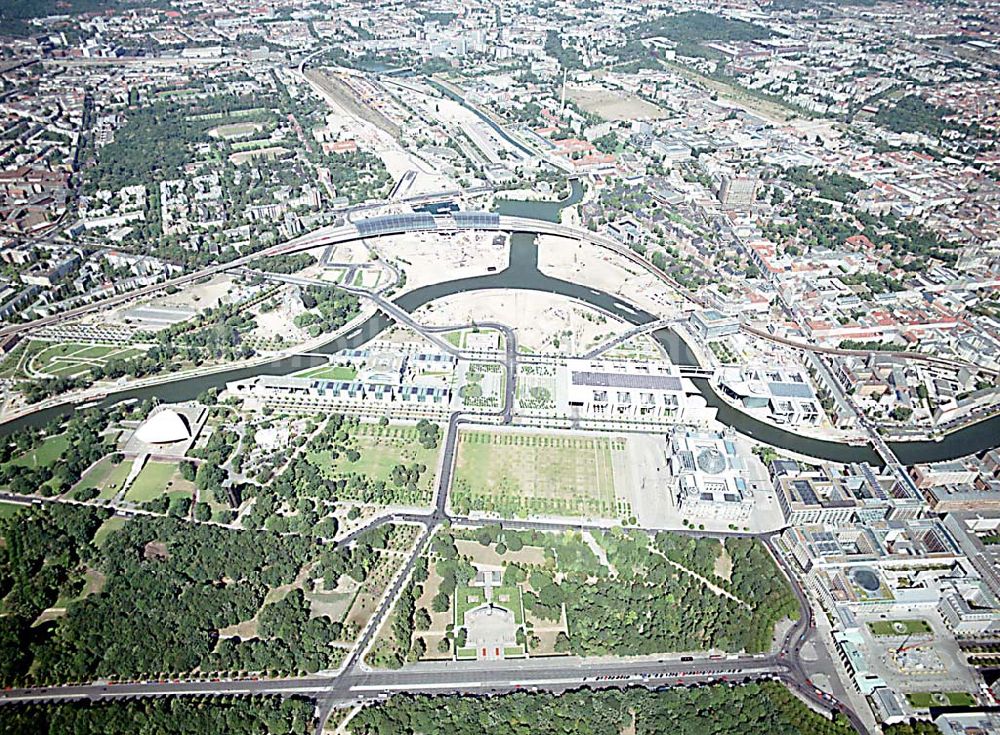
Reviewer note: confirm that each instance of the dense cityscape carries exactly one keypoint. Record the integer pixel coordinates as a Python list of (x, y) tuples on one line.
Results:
[(405, 367)]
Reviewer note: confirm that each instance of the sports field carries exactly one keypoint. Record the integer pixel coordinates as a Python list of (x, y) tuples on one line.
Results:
[(614, 105), (535, 474), (235, 130), (68, 359)]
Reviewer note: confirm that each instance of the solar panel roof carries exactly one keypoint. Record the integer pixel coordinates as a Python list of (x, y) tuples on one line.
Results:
[(626, 380)]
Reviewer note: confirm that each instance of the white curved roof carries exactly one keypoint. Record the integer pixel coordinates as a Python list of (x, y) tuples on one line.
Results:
[(164, 427)]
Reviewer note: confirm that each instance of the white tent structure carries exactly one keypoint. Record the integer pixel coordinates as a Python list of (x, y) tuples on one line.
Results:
[(164, 427)]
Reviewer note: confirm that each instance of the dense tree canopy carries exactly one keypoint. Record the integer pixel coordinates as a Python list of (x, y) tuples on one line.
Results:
[(164, 591), (258, 715), (752, 709)]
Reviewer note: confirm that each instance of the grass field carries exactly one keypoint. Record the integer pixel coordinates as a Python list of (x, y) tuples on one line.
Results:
[(9, 509), (153, 481), (899, 627), (535, 474), (107, 528), (329, 372), (45, 453), (941, 699), (467, 598), (381, 449), (509, 597), (106, 476), (68, 359)]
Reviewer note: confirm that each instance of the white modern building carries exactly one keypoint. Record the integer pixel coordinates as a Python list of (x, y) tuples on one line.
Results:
[(969, 607), (712, 324), (164, 427), (782, 393), (624, 391), (384, 378)]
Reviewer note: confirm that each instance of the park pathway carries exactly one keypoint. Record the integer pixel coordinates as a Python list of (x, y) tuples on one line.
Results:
[(704, 580)]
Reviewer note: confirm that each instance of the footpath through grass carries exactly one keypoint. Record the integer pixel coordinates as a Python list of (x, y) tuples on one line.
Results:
[(45, 454), (67, 359), (106, 477), (380, 450)]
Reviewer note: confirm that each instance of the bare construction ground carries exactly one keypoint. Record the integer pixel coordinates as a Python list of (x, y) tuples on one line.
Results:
[(548, 323), (344, 96)]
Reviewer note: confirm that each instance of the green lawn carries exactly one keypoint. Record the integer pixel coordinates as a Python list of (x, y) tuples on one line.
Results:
[(106, 476), (535, 474), (941, 699), (329, 372), (899, 627), (66, 359), (45, 453), (509, 597), (107, 528), (95, 352), (152, 481), (467, 598), (9, 509)]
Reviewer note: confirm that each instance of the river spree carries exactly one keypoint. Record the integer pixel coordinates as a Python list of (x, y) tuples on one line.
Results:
[(522, 273)]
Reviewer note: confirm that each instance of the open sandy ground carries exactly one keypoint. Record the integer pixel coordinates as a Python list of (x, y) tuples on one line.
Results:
[(434, 258), (397, 160), (593, 266), (543, 322)]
